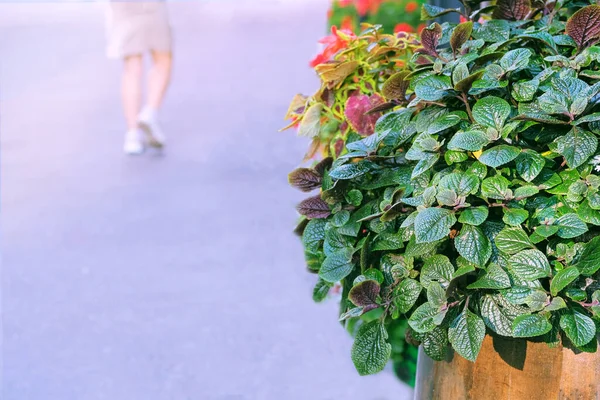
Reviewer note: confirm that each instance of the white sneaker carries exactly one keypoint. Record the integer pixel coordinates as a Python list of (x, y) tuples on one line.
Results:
[(149, 123), (133, 142)]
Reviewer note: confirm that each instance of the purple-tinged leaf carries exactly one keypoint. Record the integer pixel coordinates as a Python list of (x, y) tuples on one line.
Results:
[(356, 108), (365, 293), (323, 165), (305, 179), (460, 35), (584, 25), (314, 207), (512, 10), (429, 39), (395, 87)]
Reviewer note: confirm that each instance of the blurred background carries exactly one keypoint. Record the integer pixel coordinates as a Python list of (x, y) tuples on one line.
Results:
[(173, 275)]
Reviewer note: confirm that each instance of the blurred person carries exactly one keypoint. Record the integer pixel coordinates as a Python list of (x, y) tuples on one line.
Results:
[(134, 29)]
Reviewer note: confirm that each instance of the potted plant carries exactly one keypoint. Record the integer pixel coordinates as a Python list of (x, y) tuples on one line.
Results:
[(352, 69), (473, 209)]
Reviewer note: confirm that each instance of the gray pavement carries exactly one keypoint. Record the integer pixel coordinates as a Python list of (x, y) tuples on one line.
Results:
[(163, 277)]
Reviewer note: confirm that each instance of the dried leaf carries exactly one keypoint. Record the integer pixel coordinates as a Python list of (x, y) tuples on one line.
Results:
[(340, 72), (311, 122), (296, 106)]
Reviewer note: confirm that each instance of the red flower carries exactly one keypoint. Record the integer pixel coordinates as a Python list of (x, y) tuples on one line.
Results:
[(344, 3), (347, 23), (362, 7), (411, 6), (403, 27), (463, 19), (335, 42)]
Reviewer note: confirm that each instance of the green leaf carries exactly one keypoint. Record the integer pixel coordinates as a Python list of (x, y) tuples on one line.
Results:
[(529, 264), (570, 226), (515, 216), (474, 216), (472, 244), (371, 351), (435, 343), (387, 241), (365, 293), (429, 11), (424, 164), (433, 87), (526, 191), (314, 234), (589, 261), (525, 90), (444, 122), (525, 326), (515, 59), (337, 265), (580, 328), (436, 296), (354, 197), (499, 314), (321, 290), (499, 155), (350, 171), (494, 278), (406, 294), (529, 164), (562, 279), (466, 334), (491, 112), (495, 187), (470, 140), (422, 319), (512, 240), (436, 268), (433, 224), (557, 303), (462, 184), (577, 146)]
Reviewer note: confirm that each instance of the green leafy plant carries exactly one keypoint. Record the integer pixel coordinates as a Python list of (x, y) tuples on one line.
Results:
[(474, 206)]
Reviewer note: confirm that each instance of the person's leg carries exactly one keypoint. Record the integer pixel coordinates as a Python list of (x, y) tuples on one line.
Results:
[(159, 78), (158, 82), (131, 92), (132, 89)]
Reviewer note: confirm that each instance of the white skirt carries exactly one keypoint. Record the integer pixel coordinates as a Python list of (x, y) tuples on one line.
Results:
[(135, 27)]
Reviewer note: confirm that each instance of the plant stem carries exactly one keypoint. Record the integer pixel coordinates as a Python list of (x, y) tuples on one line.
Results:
[(468, 106)]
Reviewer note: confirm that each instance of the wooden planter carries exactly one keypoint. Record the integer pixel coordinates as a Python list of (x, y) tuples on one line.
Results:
[(511, 369)]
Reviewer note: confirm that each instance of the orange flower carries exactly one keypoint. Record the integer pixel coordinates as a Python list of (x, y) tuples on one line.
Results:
[(403, 27), (411, 7), (344, 3)]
